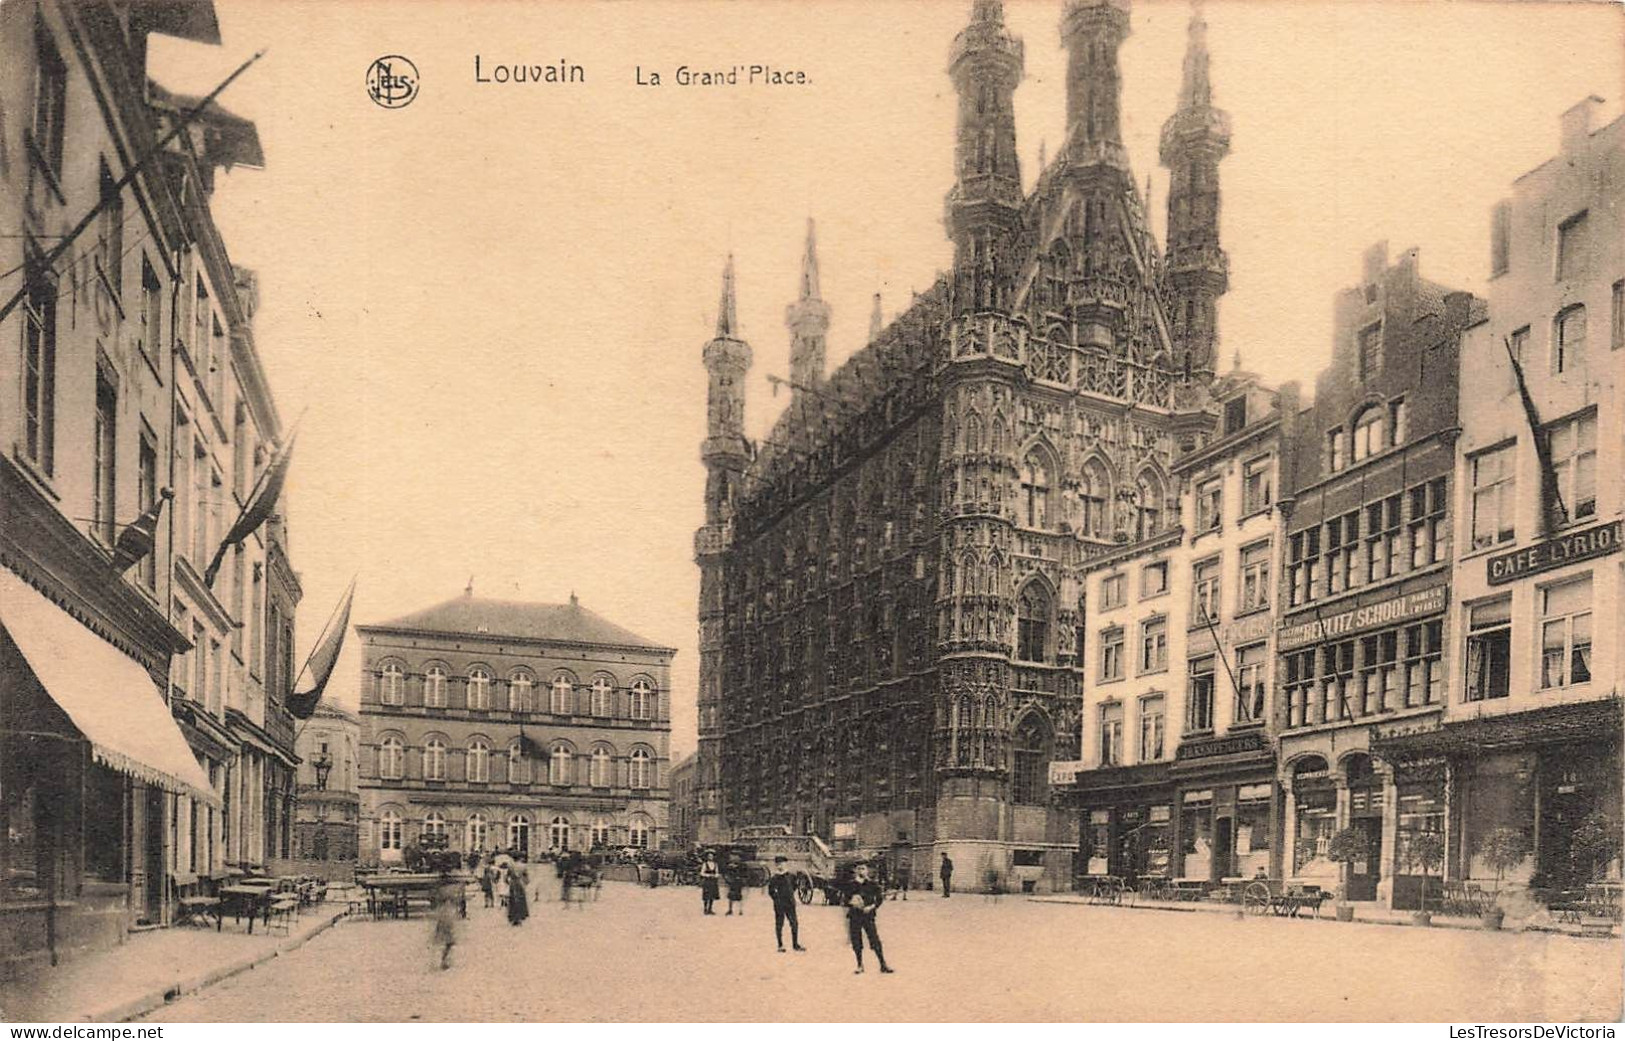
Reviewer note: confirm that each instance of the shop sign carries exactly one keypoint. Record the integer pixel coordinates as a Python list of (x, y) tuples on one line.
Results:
[(1386, 612), (1237, 744), (1065, 772), (1247, 630), (1404, 729), (1597, 541)]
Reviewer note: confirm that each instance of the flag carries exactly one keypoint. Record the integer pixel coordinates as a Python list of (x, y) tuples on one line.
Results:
[(319, 665), (1552, 510), (139, 537), (259, 508), (529, 748)]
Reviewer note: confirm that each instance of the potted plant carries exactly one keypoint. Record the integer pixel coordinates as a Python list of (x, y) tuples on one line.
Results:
[(1427, 853), (1502, 849), (1594, 845), (1344, 848)]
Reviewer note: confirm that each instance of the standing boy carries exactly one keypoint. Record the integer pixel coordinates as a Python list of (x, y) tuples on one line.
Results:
[(782, 889), (861, 908)]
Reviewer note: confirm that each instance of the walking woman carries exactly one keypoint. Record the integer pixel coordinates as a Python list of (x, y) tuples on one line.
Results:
[(518, 899), (709, 876), (736, 886)]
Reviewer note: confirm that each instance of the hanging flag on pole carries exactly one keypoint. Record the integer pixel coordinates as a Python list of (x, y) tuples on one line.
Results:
[(140, 536), (529, 748), (1553, 511), (325, 655), (261, 502)]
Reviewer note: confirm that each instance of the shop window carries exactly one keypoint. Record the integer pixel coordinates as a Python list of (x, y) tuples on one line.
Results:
[(1379, 672), (1196, 832), (1205, 592), (1565, 633), (1255, 578), (1500, 794), (1251, 668), (1111, 734), (1421, 811), (1495, 498), (1429, 529), (1303, 560), (1424, 645), (1252, 831), (1199, 695), (1382, 551), (1154, 843), (1300, 681), (1342, 551), (1574, 465), (1153, 727), (1099, 842), (1489, 649), (1316, 822), (1154, 645)]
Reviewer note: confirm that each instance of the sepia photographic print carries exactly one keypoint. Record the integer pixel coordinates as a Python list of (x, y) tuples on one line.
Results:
[(1057, 511)]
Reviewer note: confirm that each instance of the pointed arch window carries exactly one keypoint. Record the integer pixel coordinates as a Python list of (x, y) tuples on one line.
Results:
[(1030, 763), (1035, 490), (563, 695), (1032, 623), (641, 772), (1093, 494), (1148, 506), (392, 684), (434, 687), (973, 434), (479, 689), (558, 764), (602, 690)]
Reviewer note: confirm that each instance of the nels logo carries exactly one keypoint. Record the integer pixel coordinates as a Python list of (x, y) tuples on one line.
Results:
[(392, 81)]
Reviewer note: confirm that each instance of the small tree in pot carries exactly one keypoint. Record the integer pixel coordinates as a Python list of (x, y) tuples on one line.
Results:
[(1427, 853), (1344, 848), (1502, 850)]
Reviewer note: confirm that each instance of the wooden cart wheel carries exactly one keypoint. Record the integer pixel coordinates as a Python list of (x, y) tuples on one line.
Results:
[(804, 887), (1255, 899)]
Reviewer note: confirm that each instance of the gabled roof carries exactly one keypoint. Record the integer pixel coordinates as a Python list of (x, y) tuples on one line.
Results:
[(520, 619)]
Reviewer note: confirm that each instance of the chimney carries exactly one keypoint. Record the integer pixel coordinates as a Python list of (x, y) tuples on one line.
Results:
[(1373, 263), (1576, 123)]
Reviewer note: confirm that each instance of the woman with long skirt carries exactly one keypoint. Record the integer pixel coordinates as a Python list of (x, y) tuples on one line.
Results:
[(518, 899), (709, 876)]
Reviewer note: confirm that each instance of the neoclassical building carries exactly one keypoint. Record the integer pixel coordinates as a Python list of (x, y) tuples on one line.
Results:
[(511, 725), (890, 582)]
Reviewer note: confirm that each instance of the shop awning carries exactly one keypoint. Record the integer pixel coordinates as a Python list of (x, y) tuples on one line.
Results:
[(108, 695), (1553, 724)]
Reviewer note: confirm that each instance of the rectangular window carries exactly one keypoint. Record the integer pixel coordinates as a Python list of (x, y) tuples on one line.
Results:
[(1500, 238), (1235, 414), (1337, 682), (39, 363), (201, 507), (1199, 696), (1565, 633), (1569, 340), (1573, 445), (242, 459), (1111, 654), (1209, 505), (1111, 734), (1495, 499), (1205, 592), (104, 491), (1342, 549), (1382, 526), (1616, 318), (1300, 680), (1334, 450), (200, 664), (1255, 577), (50, 101), (1113, 591), (1429, 532), (1154, 579), (1571, 246), (1424, 645), (1153, 726), (1303, 559), (1154, 646), (1399, 422), (1370, 359), (1489, 649), (1379, 672), (1251, 669), (1256, 491), (146, 498), (1520, 345), (152, 312), (110, 231)]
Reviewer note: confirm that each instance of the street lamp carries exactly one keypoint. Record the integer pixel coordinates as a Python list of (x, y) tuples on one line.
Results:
[(324, 766)]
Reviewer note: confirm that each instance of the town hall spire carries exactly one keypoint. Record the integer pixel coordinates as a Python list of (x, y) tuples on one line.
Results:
[(808, 319)]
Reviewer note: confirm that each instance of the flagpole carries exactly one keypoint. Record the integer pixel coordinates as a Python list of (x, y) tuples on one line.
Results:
[(320, 637)]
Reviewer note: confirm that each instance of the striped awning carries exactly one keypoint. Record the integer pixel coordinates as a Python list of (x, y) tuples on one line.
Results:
[(109, 697)]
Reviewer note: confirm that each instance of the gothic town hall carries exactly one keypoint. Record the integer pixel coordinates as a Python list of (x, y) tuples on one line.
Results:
[(890, 596)]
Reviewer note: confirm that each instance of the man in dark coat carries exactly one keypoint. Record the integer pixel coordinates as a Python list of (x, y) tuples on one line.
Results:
[(782, 889), (861, 908), (947, 873)]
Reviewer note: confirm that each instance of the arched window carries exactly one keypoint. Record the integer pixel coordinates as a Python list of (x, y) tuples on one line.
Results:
[(519, 688), (643, 697), (389, 831), (1035, 490), (479, 760), (642, 769), (1032, 623), (391, 758), (563, 695), (600, 832), (434, 687), (558, 764), (602, 689), (479, 689), (434, 759), (519, 835), (518, 765), (476, 832), (602, 765), (1148, 506), (558, 834), (1368, 433), (1093, 493), (434, 824), (1030, 771), (392, 684), (638, 833), (973, 433)]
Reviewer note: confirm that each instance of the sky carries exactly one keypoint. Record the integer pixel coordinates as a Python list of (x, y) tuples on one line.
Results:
[(492, 301)]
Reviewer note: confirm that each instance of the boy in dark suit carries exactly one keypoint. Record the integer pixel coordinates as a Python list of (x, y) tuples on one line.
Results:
[(782, 888), (861, 908)]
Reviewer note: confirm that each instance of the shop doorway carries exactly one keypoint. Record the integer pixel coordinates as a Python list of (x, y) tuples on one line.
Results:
[(1365, 873), (151, 904), (1224, 848)]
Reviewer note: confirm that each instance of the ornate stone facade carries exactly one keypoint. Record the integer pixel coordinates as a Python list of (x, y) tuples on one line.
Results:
[(890, 581)]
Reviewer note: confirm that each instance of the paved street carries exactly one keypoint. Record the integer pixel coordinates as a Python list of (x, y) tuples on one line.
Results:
[(642, 955)]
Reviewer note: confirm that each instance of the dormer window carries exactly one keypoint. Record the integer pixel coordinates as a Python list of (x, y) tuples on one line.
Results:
[(1235, 415)]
